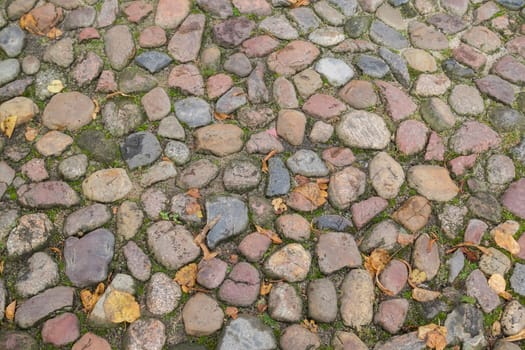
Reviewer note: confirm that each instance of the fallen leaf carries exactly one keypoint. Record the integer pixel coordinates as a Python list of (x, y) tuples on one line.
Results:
[(424, 295), (498, 284), (88, 299), (507, 242), (298, 3), (516, 337), (270, 234), (96, 110), (194, 193), (57, 252), (193, 208), (2, 265), (10, 311), (200, 239), (234, 259), (416, 277), (301, 180), (262, 306), (28, 22), (7, 126), (266, 287), (121, 307), (310, 325), (472, 245), (405, 239), (264, 167), (435, 336), (312, 193), (222, 116), (470, 254), (55, 86), (382, 288), (279, 206), (54, 33), (232, 312), (376, 262), (116, 93), (431, 242), (496, 328), (31, 133), (186, 277)]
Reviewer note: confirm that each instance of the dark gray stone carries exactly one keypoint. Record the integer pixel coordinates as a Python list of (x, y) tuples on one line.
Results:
[(40, 306), (332, 223), (80, 18), (9, 69), (372, 66), (511, 4), (517, 280), (140, 149), (193, 112), (383, 34), (99, 147), (506, 119), (133, 80), (15, 88), (485, 206), (397, 65), (153, 61), (278, 178), (356, 26), (12, 40), (233, 218), (232, 100), (448, 24), (41, 272), (307, 163), (455, 70), (464, 324), (247, 332)]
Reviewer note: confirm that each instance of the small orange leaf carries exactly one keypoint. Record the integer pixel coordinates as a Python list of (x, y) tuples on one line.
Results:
[(10, 311), (88, 299), (8, 124), (416, 277), (264, 166), (186, 277), (266, 287), (262, 306), (270, 234), (29, 23), (2, 267), (310, 325), (54, 33), (232, 312), (194, 193), (279, 206), (507, 242), (96, 110), (497, 284), (435, 336), (313, 193), (222, 116), (424, 295), (193, 208), (405, 239), (298, 3), (377, 261)]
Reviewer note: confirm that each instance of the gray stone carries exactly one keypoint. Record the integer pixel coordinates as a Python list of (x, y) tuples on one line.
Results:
[(3, 297), (162, 294), (397, 65), (357, 299), (31, 233), (278, 178), (138, 263), (464, 324), (322, 300), (8, 219), (247, 332), (232, 32), (119, 46), (506, 119), (284, 304), (238, 64), (178, 152), (40, 273), (336, 71), (38, 307), (132, 80), (241, 176), (99, 147), (153, 61), (198, 174), (408, 341), (485, 206), (217, 8), (305, 19), (348, 7), (437, 114), (477, 287), (307, 163), (233, 218), (145, 333), (119, 119), (382, 235), (9, 69), (279, 27), (170, 128), (500, 169), (363, 130), (517, 280), (513, 318), (74, 167), (496, 262), (452, 218), (80, 18), (87, 259), (385, 35), (372, 66), (454, 70), (356, 26), (327, 36), (193, 112), (161, 171), (140, 149), (456, 264), (60, 53), (86, 219), (232, 100), (511, 4), (12, 40)]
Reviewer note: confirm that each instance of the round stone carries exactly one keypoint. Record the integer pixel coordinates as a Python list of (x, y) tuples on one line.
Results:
[(202, 315), (291, 263), (106, 186), (363, 129), (68, 110), (162, 294)]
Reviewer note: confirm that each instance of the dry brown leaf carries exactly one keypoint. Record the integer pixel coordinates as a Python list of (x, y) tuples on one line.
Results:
[(424, 295), (262, 306), (264, 166), (194, 208), (313, 193), (270, 234), (88, 299), (194, 193), (121, 307), (435, 336), (2, 265), (266, 287), (200, 239), (7, 126), (470, 254), (231, 311), (186, 277), (310, 325), (507, 242), (96, 110), (496, 329), (54, 33), (416, 277), (116, 93), (55, 86), (383, 288), (516, 337), (376, 262), (279, 206), (472, 245), (222, 116), (298, 3), (31, 133), (498, 284), (405, 239), (10, 311), (28, 22)]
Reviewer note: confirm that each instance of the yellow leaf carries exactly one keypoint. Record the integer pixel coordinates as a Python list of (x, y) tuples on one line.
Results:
[(10, 311), (96, 110), (88, 299), (497, 284), (424, 295), (310, 325), (516, 337), (266, 288), (434, 335), (279, 206), (298, 3), (28, 22), (405, 239), (186, 277), (507, 242), (232, 312), (313, 193), (7, 126), (194, 192), (1, 267), (54, 33), (222, 116), (376, 262), (55, 86), (417, 277), (121, 307)]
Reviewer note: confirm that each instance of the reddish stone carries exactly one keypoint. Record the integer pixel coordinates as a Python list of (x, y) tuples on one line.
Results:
[(391, 314), (293, 226), (364, 211), (485, 11), (475, 231), (460, 164), (359, 94), (294, 57), (187, 78), (323, 106), (106, 82), (137, 10), (88, 69), (514, 198), (474, 137), (394, 277), (61, 330), (46, 17), (510, 69), (259, 46), (185, 44), (284, 93), (435, 147), (90, 341), (211, 273), (256, 7), (171, 13), (521, 242), (254, 246), (241, 288), (87, 34), (299, 202), (482, 38), (35, 170), (152, 37), (411, 137), (425, 256), (338, 156), (218, 84), (398, 104), (469, 56), (517, 45)]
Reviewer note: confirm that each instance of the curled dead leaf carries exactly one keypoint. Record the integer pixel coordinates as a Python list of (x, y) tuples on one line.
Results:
[(262, 306), (10, 311), (270, 234), (121, 307), (310, 325), (2, 265), (186, 277), (54, 33), (507, 242), (221, 116), (313, 193), (279, 206), (298, 3), (498, 284), (377, 261), (424, 295), (383, 288), (516, 337), (264, 166), (193, 208), (29, 23), (416, 277), (232, 312), (435, 336), (96, 110), (116, 93), (266, 287), (194, 193), (88, 299), (471, 245), (7, 126)]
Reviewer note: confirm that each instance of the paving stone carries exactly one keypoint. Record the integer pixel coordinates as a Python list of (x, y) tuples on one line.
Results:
[(232, 100), (91, 341), (342, 340), (232, 32), (386, 175), (485, 206), (198, 174), (246, 332), (202, 315), (332, 222), (411, 136), (170, 127), (364, 130), (482, 38), (107, 186), (513, 318), (305, 19), (427, 38), (162, 294), (496, 88), (86, 219), (11, 340), (382, 235), (12, 40), (506, 119), (193, 111), (420, 60), (384, 35), (233, 218), (326, 36), (61, 330), (398, 104), (242, 285), (47, 194), (219, 139), (336, 250), (211, 273), (359, 94), (74, 167), (9, 69), (321, 132), (146, 334), (372, 66), (217, 8), (154, 202), (260, 46), (40, 274), (477, 287), (449, 24), (397, 65), (364, 211), (138, 263), (394, 278), (291, 263), (153, 61), (414, 213), (357, 299), (346, 186), (426, 260), (294, 57), (307, 82), (22, 107), (451, 219), (152, 37), (187, 78), (58, 111), (391, 314), (298, 337), (278, 179), (284, 93), (474, 137), (322, 300), (60, 53), (41, 305)]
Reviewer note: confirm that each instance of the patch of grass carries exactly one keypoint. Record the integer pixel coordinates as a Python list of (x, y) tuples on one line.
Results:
[(468, 299), (236, 12)]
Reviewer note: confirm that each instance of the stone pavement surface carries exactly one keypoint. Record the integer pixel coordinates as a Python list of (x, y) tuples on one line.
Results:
[(262, 174)]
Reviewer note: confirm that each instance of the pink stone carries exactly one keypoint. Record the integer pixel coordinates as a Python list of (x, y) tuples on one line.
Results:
[(256, 7), (521, 242), (61, 330), (87, 34), (88, 69), (364, 211), (324, 107), (474, 137), (35, 170), (171, 13), (259, 46), (435, 147), (218, 84), (475, 231), (469, 56), (510, 69), (152, 37), (391, 314), (90, 341), (137, 10), (338, 156), (398, 104), (292, 58), (517, 45), (284, 93), (460, 164), (185, 44), (411, 137), (485, 11), (359, 94), (394, 277), (106, 82), (187, 78), (514, 198), (254, 246)]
